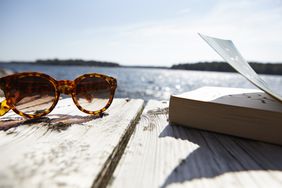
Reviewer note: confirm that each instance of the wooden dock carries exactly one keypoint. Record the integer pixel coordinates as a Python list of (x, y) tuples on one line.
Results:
[(130, 146)]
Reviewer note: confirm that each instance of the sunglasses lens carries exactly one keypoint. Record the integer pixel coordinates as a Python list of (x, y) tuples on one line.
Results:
[(93, 93), (32, 95)]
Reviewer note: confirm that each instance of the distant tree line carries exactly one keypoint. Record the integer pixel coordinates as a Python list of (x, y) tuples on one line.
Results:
[(260, 68), (77, 62), (68, 62)]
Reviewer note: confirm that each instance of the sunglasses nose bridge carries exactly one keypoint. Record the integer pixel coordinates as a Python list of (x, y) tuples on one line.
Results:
[(65, 86)]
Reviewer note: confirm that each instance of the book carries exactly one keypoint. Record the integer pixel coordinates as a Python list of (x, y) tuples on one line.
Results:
[(248, 113)]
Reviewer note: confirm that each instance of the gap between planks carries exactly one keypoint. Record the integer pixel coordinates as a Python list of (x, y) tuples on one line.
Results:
[(83, 154), (104, 177), (161, 155)]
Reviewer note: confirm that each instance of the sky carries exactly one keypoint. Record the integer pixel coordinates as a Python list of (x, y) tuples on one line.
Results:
[(138, 32)]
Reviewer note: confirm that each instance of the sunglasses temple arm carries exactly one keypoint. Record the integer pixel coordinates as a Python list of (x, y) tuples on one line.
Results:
[(4, 108)]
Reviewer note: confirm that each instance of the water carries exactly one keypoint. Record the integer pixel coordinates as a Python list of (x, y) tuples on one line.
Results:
[(152, 83)]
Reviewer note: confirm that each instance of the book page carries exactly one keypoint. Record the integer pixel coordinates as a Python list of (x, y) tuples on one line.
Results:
[(245, 98), (227, 50)]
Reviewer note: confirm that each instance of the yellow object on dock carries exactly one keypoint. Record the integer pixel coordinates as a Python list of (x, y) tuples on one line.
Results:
[(128, 147)]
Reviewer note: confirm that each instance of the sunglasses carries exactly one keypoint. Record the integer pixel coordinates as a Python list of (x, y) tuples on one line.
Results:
[(33, 94)]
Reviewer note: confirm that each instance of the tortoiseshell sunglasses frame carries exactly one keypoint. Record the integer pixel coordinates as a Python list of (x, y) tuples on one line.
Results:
[(67, 87)]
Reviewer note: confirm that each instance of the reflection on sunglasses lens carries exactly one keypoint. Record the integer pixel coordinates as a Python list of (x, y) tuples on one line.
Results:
[(32, 95), (93, 93)]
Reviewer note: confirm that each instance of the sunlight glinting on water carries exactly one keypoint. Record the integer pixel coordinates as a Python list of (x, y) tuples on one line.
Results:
[(156, 84)]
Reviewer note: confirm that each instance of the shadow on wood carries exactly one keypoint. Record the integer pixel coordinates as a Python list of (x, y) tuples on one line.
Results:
[(54, 122), (219, 154), (62, 150)]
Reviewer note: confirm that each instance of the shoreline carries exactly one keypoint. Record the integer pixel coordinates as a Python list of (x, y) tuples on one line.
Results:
[(260, 68)]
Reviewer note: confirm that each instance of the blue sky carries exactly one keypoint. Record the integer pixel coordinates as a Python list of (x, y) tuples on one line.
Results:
[(143, 32)]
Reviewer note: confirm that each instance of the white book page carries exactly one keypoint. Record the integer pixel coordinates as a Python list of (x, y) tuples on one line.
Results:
[(227, 50)]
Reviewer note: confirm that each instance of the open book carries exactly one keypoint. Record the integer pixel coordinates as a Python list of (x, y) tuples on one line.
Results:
[(248, 113)]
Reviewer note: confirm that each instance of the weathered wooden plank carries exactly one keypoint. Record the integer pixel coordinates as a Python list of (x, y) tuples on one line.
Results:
[(161, 155), (66, 148)]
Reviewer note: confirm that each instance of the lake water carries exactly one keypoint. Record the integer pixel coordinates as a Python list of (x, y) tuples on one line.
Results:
[(151, 83)]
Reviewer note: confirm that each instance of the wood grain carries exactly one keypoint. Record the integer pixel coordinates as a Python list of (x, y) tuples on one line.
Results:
[(161, 155), (66, 148)]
